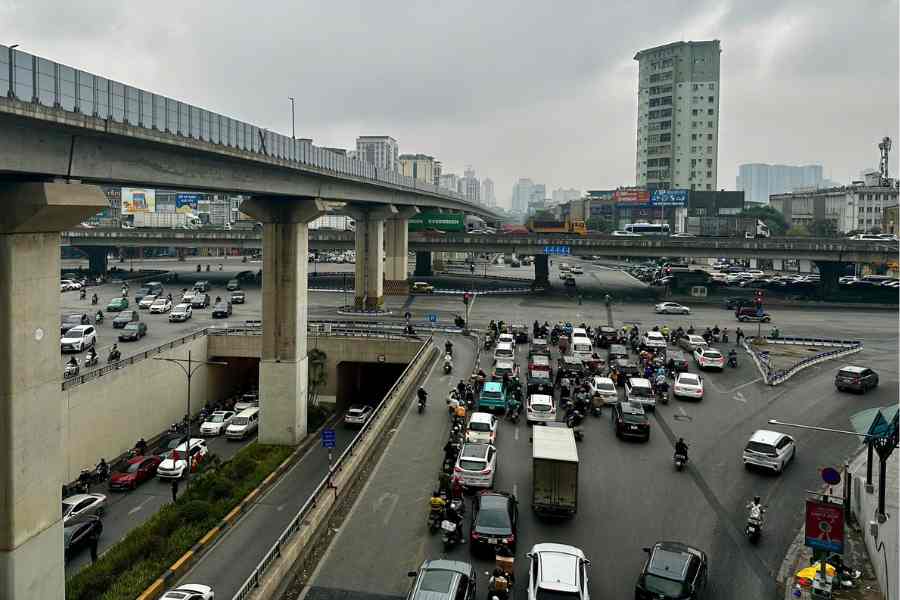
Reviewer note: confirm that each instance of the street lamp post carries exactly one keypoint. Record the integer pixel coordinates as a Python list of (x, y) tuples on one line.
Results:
[(293, 131), (12, 72), (189, 370)]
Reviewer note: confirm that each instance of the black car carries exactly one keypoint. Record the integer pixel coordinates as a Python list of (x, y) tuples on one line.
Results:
[(76, 537), (604, 336), (232, 285), (677, 361), (139, 295), (673, 571), (133, 332), (73, 320), (627, 367), (168, 442), (857, 379), (246, 276), (200, 300), (616, 351), (125, 317), (202, 286), (238, 297), (520, 333), (630, 420), (494, 518), (222, 310)]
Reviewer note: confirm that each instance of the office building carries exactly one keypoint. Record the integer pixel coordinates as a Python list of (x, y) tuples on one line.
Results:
[(561, 195), (859, 207), (521, 195), (417, 166), (379, 150), (678, 116), (488, 198), (758, 181), (451, 181), (437, 169), (471, 187)]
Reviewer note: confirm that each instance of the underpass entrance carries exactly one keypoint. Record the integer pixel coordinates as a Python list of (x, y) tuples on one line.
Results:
[(364, 382)]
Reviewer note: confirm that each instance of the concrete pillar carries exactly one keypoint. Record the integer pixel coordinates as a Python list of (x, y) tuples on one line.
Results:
[(396, 246), (283, 368), (31, 461), (97, 256), (423, 264), (368, 284), (829, 273), (541, 270)]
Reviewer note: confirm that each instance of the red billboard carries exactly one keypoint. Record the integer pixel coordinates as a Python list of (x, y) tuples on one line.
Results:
[(825, 526), (632, 197)]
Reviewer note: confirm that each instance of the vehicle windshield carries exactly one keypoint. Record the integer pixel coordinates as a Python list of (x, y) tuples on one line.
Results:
[(688, 380), (761, 448), (133, 467), (640, 391), (240, 421), (660, 585), (606, 386), (493, 514), (479, 426), (545, 594), (541, 405), (217, 418), (131, 327), (491, 395), (73, 319), (709, 354), (66, 508), (436, 581), (471, 464)]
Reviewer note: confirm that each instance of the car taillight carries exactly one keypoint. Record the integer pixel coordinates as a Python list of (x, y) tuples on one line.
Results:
[(457, 469), (510, 539), (486, 472), (475, 535)]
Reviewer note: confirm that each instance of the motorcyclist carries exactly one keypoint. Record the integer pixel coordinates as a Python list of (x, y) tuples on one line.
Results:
[(681, 448), (73, 363), (114, 353), (141, 446), (454, 517), (732, 357), (92, 354), (84, 479), (423, 396), (437, 503), (664, 330), (82, 294), (95, 299), (448, 361), (102, 468), (98, 318), (448, 347)]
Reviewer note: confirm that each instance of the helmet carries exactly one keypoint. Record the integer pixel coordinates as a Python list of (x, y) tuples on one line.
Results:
[(756, 500)]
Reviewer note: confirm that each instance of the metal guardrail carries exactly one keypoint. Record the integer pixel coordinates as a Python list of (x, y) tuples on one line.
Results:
[(773, 378), (294, 526), (34, 80)]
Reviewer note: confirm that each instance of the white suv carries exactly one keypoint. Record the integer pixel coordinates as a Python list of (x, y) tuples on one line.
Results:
[(769, 449), (174, 466), (639, 391), (557, 571), (78, 339), (476, 465)]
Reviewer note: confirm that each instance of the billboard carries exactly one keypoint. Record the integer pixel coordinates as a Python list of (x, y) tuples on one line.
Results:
[(187, 202), (676, 198), (632, 197), (825, 526), (135, 200), (435, 220)]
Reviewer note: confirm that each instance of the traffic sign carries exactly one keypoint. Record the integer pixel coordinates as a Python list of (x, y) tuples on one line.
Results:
[(432, 318), (764, 356), (329, 438), (560, 250), (824, 526), (831, 476)]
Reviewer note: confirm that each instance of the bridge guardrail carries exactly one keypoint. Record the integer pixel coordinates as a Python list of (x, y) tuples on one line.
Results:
[(776, 377)]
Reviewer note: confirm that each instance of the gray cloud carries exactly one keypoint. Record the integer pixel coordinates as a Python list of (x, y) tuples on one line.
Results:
[(544, 91)]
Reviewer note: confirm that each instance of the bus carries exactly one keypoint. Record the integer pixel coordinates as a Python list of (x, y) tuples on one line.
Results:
[(648, 228)]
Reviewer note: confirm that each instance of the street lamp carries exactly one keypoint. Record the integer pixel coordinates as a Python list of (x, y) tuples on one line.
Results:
[(11, 93), (293, 132), (189, 370)]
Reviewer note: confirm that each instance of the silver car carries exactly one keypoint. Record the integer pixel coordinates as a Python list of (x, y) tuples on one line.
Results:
[(76, 508), (557, 571)]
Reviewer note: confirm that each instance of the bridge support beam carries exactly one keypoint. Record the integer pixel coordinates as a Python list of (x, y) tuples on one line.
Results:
[(396, 249), (423, 264), (369, 277), (283, 365), (31, 532), (829, 274), (541, 271)]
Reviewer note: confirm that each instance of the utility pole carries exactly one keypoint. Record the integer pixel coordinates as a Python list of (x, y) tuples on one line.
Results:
[(293, 129)]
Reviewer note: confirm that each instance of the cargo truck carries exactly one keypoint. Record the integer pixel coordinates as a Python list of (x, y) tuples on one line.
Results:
[(554, 470), (167, 220)]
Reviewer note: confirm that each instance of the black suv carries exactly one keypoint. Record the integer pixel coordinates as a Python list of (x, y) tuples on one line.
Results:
[(857, 379), (616, 351), (443, 579), (125, 317), (630, 420), (677, 361), (494, 518), (673, 571)]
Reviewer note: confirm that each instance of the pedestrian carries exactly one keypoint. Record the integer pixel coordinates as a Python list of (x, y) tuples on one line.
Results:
[(174, 489), (738, 336), (95, 540)]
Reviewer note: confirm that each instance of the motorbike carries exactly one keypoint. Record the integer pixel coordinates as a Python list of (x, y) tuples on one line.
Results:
[(421, 404), (448, 365), (488, 342), (114, 356), (732, 361), (679, 460), (94, 299), (753, 528), (574, 418), (70, 371), (98, 318), (100, 474), (199, 268), (435, 516), (662, 396), (451, 534), (91, 360), (514, 413)]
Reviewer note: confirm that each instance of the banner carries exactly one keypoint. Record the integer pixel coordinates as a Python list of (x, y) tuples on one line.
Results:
[(136, 201), (677, 198), (825, 526), (187, 202), (632, 197)]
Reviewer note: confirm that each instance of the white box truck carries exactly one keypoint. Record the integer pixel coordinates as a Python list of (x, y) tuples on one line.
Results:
[(167, 220), (554, 470)]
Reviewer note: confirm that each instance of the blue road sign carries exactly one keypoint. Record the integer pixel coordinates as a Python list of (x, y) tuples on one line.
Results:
[(432, 318), (329, 439), (831, 476), (559, 250)]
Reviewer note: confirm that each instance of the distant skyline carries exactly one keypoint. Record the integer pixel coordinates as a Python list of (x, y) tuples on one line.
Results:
[(516, 91)]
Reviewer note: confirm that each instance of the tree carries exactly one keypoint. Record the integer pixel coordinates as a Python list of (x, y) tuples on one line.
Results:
[(768, 215), (823, 228), (797, 231), (318, 375)]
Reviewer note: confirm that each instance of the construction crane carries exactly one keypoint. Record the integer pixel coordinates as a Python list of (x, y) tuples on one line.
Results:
[(885, 147)]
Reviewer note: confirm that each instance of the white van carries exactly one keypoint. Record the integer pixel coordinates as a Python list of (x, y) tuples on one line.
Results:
[(581, 348), (244, 424), (504, 352), (579, 332)]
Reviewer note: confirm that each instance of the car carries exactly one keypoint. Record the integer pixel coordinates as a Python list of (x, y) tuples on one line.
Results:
[(603, 389), (604, 335), (506, 338), (769, 449), (167, 443), (188, 295), (133, 332), (117, 304), (505, 351), (564, 275), (539, 408), (709, 358), (200, 300), (749, 313), (622, 233), (857, 379), (174, 465), (125, 317), (683, 235), (539, 362), (216, 423), (443, 579), (688, 385), (66, 285), (146, 302), (238, 297), (73, 320), (672, 571), (627, 367), (540, 345), (639, 391), (233, 285), (630, 420), (676, 361), (504, 367), (136, 471), (78, 535), (653, 340), (161, 306), (189, 591), (246, 276), (202, 286), (482, 428), (78, 339), (557, 572), (357, 415), (494, 518), (671, 308), (248, 400), (78, 507), (564, 267), (615, 352), (181, 312), (421, 287), (492, 397), (692, 342), (570, 282), (222, 310), (520, 333), (476, 465), (575, 270)]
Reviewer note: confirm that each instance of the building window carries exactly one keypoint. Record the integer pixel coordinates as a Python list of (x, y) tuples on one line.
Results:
[(694, 113), (709, 149), (712, 86), (709, 136), (693, 136), (709, 112), (709, 173), (711, 99), (708, 186), (708, 162), (693, 162), (709, 123)]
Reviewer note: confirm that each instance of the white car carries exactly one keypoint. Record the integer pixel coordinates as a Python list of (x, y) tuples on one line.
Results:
[(160, 306), (576, 271), (672, 308), (476, 465), (78, 508), (557, 571), (683, 235), (78, 339), (506, 338), (688, 385), (692, 342), (146, 302), (181, 312), (69, 284), (709, 358), (539, 409), (653, 339), (604, 388), (357, 415), (217, 422), (188, 296), (482, 428), (173, 467), (769, 449), (564, 266), (189, 591), (639, 391), (622, 233)]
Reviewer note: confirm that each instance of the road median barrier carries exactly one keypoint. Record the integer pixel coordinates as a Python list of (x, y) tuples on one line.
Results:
[(832, 349)]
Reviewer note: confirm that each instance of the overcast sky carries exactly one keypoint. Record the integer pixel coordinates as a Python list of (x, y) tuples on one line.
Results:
[(545, 90)]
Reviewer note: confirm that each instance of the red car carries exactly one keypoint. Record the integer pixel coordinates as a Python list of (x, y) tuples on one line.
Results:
[(137, 470)]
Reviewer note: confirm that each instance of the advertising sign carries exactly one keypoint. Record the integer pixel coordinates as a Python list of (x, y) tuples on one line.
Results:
[(436, 220), (187, 202), (825, 526), (677, 198), (136, 201), (632, 197)]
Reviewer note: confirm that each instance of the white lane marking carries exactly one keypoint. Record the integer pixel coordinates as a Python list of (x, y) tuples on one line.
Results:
[(740, 398), (516, 490), (681, 410), (516, 435), (139, 506), (389, 498), (743, 385)]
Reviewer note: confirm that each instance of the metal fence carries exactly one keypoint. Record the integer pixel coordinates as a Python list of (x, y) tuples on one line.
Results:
[(296, 523), (35, 80), (773, 377)]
